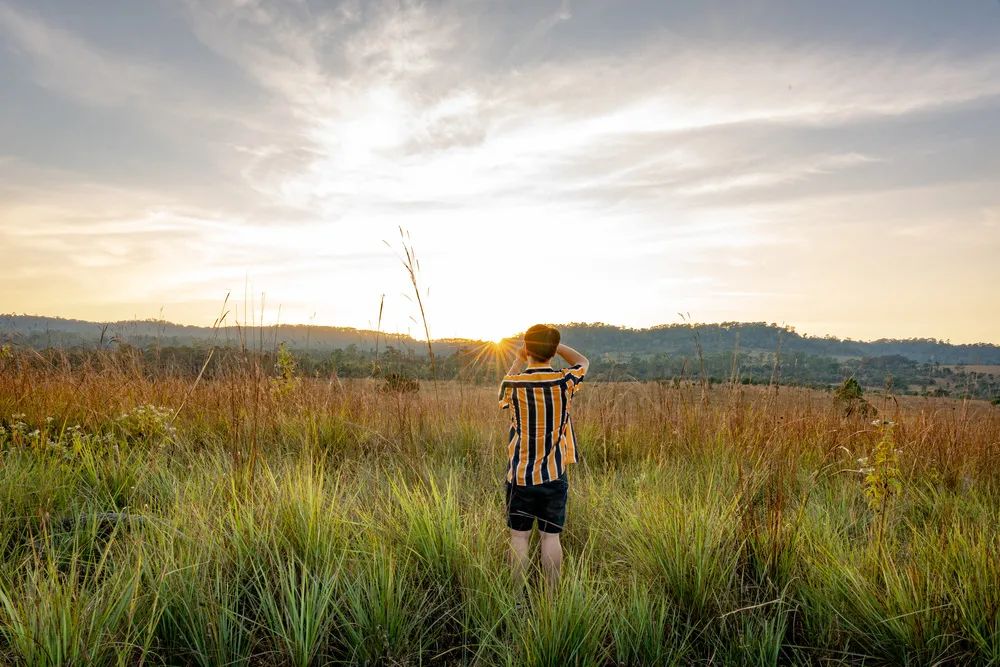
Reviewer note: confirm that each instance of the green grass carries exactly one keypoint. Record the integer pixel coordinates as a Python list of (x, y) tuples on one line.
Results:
[(369, 530)]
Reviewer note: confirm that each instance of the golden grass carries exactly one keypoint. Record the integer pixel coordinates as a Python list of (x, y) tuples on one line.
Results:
[(330, 521)]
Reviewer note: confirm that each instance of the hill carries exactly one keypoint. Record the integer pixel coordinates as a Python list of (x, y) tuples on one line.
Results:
[(763, 337), (40, 332), (750, 353)]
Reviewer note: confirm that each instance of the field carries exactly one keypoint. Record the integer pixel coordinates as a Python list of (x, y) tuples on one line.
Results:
[(148, 518)]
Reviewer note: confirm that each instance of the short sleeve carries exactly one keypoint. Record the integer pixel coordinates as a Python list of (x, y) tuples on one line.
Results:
[(504, 396), (574, 376)]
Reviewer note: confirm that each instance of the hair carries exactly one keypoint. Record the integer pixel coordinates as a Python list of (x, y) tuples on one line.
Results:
[(541, 341)]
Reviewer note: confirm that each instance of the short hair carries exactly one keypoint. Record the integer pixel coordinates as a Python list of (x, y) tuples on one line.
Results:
[(541, 341)]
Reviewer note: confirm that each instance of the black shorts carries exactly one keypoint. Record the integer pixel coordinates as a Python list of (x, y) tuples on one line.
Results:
[(545, 502)]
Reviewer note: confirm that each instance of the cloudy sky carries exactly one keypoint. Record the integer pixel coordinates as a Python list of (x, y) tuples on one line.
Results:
[(834, 166)]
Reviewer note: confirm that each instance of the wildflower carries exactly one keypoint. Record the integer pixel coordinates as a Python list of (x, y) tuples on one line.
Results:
[(882, 478)]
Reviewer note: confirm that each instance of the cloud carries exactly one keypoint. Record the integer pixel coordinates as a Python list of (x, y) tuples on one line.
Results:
[(790, 173), (71, 66), (684, 157), (397, 111), (186, 119), (373, 103)]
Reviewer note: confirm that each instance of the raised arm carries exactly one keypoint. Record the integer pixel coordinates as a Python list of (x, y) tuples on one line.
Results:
[(573, 357), (520, 359)]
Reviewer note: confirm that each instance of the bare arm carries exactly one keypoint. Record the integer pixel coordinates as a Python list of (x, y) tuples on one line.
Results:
[(572, 357), (520, 359)]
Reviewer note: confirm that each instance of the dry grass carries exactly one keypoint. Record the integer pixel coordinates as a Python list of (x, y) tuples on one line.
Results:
[(331, 522)]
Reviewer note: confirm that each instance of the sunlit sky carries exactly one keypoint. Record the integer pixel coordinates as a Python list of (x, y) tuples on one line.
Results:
[(834, 166)]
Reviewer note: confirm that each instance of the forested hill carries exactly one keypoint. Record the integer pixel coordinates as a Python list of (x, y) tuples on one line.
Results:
[(761, 337), (45, 332), (596, 339)]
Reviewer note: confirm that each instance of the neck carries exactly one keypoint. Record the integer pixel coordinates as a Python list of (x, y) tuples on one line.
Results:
[(532, 363)]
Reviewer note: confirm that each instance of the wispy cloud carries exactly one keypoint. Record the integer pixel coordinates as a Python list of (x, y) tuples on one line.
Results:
[(679, 159), (788, 173), (69, 65), (399, 115)]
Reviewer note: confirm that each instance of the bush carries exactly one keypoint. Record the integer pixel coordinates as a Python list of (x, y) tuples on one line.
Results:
[(395, 383)]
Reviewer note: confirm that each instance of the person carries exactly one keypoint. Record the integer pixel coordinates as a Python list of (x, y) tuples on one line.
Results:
[(541, 445)]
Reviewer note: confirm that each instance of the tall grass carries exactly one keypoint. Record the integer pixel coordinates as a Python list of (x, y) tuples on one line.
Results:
[(145, 519)]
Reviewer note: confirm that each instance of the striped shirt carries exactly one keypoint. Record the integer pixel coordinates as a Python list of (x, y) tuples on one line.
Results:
[(542, 441)]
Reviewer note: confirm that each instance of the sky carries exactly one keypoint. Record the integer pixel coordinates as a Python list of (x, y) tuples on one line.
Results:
[(833, 166)]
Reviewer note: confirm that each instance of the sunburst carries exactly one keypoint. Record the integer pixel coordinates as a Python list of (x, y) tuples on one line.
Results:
[(496, 354)]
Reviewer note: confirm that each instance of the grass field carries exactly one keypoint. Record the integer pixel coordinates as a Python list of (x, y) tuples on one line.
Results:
[(246, 521)]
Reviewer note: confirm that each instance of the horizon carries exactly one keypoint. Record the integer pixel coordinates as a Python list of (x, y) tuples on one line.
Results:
[(415, 336), (834, 166)]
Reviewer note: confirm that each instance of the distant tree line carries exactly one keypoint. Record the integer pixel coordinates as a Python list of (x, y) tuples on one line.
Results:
[(892, 373), (747, 353), (763, 337), (597, 338)]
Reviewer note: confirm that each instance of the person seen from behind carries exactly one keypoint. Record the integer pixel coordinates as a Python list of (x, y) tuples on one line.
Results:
[(541, 445)]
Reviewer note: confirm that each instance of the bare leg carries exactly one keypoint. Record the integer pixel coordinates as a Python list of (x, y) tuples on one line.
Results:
[(519, 555), (551, 559)]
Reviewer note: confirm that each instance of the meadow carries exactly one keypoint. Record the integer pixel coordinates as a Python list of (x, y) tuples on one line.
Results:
[(247, 519)]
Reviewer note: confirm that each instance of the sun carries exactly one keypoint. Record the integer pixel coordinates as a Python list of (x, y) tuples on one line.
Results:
[(496, 353)]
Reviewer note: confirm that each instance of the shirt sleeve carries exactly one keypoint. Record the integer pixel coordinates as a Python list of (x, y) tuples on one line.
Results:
[(504, 397), (574, 376)]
